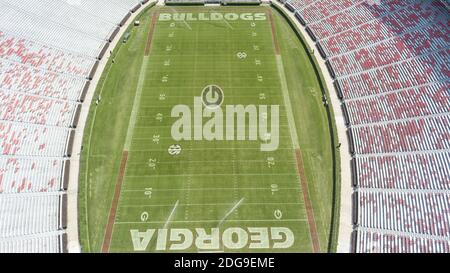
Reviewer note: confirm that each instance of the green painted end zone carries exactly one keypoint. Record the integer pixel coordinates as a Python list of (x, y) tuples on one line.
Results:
[(220, 195)]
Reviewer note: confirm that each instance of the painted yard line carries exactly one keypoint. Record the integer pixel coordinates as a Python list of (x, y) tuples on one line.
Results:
[(171, 214), (214, 221), (169, 107), (287, 104), (198, 127), (203, 55), (181, 63), (235, 207), (212, 189), (185, 141), (214, 204), (214, 174), (187, 25), (190, 97), (228, 24), (219, 70), (222, 161), (229, 87), (137, 100), (207, 149), (266, 78)]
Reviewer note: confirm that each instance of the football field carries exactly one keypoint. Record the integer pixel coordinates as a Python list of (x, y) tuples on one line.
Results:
[(163, 172)]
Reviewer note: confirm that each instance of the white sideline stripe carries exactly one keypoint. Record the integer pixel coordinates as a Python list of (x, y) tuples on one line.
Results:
[(171, 214), (137, 99), (231, 211), (287, 102), (214, 221)]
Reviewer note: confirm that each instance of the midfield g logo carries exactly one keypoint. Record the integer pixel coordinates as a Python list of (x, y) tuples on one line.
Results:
[(251, 121), (212, 97)]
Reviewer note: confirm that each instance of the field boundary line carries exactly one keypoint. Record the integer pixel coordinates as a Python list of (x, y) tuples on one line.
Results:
[(148, 45), (274, 33), (113, 210), (308, 204)]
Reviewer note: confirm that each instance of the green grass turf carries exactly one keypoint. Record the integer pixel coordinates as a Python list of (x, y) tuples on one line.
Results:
[(208, 178)]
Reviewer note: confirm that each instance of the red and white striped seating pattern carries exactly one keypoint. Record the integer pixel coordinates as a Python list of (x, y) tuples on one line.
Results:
[(424, 134), (47, 51), (24, 78), (26, 175), (425, 40), (386, 242), (299, 4), (32, 140), (375, 30), (391, 59), (427, 171), (406, 74), (414, 212), (41, 56), (408, 103), (26, 108)]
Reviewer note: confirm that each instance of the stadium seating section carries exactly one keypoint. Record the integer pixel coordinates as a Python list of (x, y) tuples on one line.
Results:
[(389, 59), (48, 50)]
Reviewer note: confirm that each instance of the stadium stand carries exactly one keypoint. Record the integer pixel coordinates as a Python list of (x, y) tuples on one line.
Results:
[(48, 52), (389, 59)]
